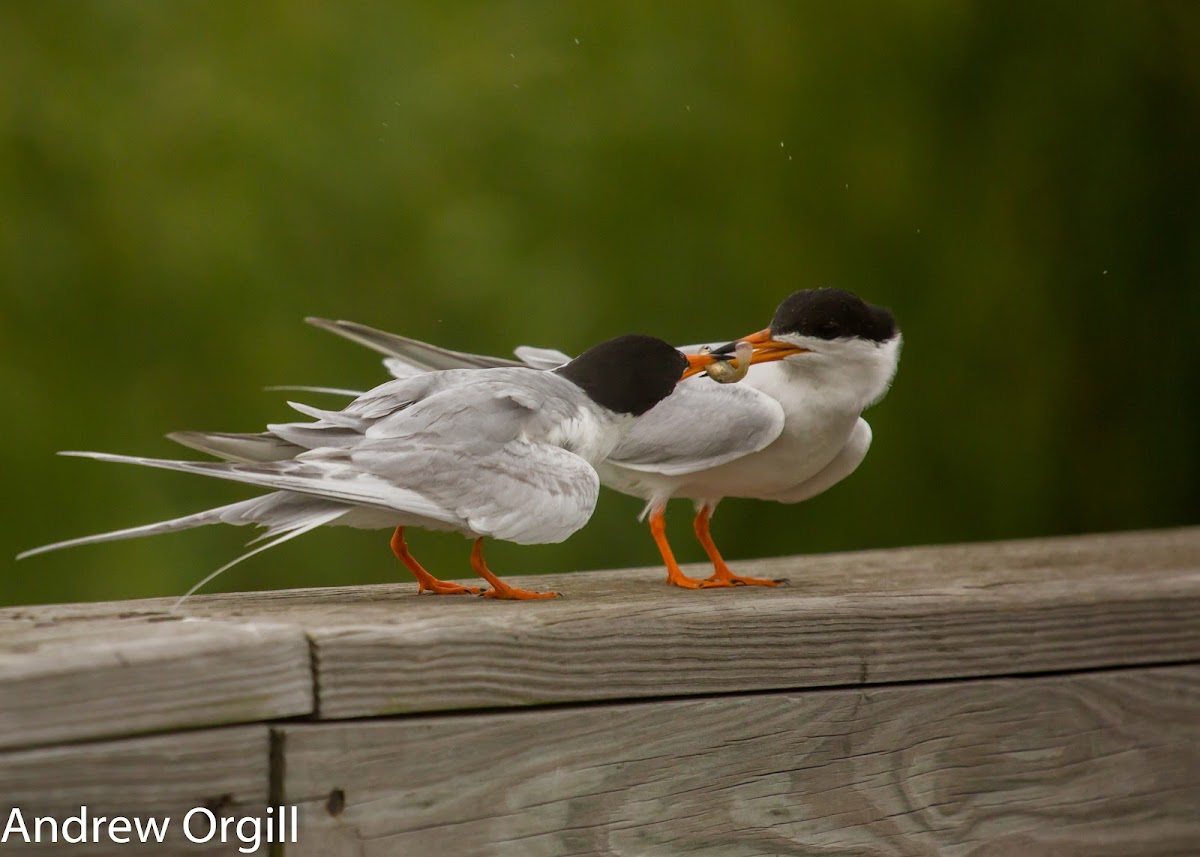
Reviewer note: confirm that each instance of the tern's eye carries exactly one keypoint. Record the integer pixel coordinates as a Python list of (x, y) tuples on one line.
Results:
[(830, 329)]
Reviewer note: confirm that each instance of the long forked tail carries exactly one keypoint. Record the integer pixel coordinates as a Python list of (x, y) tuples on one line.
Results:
[(280, 512), (279, 538), (319, 481), (187, 522), (283, 514)]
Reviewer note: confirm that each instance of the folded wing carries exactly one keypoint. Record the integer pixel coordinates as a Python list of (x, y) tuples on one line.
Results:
[(699, 426), (462, 449)]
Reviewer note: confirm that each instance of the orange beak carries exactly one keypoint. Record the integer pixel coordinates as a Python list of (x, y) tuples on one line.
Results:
[(766, 349), (697, 363)]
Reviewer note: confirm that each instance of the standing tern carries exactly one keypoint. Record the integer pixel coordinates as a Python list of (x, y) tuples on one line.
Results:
[(790, 431), (507, 453)]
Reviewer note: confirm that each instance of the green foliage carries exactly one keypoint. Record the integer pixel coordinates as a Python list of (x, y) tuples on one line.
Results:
[(180, 183)]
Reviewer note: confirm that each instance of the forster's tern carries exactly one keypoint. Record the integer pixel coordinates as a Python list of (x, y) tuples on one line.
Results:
[(790, 431), (507, 453)]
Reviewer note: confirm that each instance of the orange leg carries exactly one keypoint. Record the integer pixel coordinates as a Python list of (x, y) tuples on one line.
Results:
[(426, 582), (500, 589), (723, 574), (675, 577)]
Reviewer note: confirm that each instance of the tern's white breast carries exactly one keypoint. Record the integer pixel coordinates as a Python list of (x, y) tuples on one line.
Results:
[(818, 421)]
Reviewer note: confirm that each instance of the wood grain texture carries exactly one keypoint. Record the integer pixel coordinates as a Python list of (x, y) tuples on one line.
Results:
[(847, 619), (1094, 765), (72, 678), (226, 770)]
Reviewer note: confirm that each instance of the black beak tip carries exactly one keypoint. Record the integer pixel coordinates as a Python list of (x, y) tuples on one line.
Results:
[(725, 351)]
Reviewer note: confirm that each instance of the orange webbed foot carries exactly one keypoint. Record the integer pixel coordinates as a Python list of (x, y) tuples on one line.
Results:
[(500, 589), (675, 577), (722, 576), (684, 582), (441, 587)]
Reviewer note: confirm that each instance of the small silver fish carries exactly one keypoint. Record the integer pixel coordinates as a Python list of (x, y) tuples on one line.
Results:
[(732, 371)]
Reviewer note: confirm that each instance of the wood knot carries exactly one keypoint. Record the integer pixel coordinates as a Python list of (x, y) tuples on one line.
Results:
[(217, 805), (336, 802)]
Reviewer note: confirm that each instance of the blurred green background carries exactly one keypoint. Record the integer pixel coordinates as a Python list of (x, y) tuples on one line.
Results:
[(183, 182)]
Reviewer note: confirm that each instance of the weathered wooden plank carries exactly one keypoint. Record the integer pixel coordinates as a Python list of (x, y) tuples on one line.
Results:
[(1096, 765), (847, 619), (65, 679), (226, 771)]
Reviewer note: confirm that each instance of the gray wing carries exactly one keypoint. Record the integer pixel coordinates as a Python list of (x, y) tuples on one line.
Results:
[(520, 491), (475, 449), (231, 446), (459, 447), (405, 357), (283, 441), (327, 475), (413, 352), (699, 426), (331, 428), (541, 358)]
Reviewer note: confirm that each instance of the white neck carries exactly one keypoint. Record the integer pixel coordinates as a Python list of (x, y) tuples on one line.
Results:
[(850, 374)]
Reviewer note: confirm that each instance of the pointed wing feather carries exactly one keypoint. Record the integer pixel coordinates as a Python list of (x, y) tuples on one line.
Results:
[(411, 351), (320, 477), (230, 446), (541, 358), (279, 512), (276, 538)]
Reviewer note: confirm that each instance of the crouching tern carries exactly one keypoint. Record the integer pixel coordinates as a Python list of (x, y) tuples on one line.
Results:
[(790, 431), (505, 453)]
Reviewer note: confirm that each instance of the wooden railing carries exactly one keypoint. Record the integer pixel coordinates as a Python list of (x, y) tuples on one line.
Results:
[(1031, 697)]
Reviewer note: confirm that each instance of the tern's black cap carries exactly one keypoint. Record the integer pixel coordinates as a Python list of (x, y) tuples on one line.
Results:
[(832, 314), (628, 375)]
